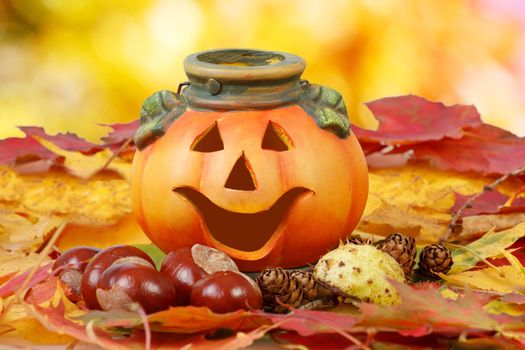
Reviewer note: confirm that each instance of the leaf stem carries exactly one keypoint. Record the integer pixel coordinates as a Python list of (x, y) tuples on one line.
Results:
[(468, 204)]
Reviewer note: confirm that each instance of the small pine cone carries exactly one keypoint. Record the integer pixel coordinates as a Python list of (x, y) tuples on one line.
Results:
[(435, 258), (402, 248), (311, 289), (278, 289), (359, 240)]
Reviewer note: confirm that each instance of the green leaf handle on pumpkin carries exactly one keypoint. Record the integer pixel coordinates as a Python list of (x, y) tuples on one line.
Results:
[(158, 112), (327, 107)]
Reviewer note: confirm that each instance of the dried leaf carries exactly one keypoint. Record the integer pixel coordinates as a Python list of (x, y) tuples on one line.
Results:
[(506, 279), (29, 149), (498, 307), (490, 202), (84, 166), (191, 319), (33, 331), (514, 298), (449, 138), (103, 200), (416, 200), (424, 311), (473, 226), (486, 150), (490, 245), (14, 284), (120, 134), (412, 119), (308, 322), (67, 141)]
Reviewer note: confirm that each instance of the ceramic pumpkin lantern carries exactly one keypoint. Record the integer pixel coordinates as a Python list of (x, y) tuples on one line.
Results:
[(248, 159)]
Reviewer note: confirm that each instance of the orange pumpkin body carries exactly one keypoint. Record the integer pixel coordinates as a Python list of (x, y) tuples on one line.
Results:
[(332, 171), (269, 187)]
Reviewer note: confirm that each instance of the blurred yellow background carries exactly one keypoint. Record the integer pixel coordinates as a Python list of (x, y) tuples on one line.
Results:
[(69, 64)]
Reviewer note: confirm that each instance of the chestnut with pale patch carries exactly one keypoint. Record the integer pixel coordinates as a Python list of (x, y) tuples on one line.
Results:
[(70, 266), (100, 262), (122, 285), (187, 265)]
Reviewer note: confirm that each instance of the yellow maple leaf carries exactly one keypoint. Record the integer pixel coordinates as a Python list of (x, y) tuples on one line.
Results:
[(498, 307), (416, 200), (101, 200), (489, 245), (504, 279), (84, 166), (16, 261)]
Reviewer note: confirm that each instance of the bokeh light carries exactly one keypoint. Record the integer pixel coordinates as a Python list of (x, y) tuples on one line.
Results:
[(68, 65)]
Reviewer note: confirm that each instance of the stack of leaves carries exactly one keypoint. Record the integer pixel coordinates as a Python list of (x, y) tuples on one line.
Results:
[(430, 166)]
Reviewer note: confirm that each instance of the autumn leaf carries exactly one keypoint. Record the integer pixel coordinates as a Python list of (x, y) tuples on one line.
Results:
[(424, 311), (29, 149), (120, 134), (486, 150), (412, 119), (13, 284), (85, 166), (67, 141), (490, 202), (448, 138), (504, 279), (489, 245), (416, 199), (307, 322)]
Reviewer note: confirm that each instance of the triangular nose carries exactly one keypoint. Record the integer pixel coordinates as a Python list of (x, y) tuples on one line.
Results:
[(241, 177)]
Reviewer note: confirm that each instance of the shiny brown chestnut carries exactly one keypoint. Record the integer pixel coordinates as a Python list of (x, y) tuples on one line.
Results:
[(70, 265), (182, 272), (121, 285), (226, 291), (100, 263), (188, 265)]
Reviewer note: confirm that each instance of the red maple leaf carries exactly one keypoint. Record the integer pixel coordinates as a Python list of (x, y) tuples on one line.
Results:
[(490, 202), (411, 119), (449, 138), (120, 134), (16, 149)]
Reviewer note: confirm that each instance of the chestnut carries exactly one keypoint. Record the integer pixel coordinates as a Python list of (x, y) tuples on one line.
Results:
[(70, 265), (185, 266), (122, 284), (182, 272), (226, 291), (100, 262)]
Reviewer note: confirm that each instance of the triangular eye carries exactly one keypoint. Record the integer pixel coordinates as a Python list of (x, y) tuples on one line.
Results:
[(209, 141), (276, 139)]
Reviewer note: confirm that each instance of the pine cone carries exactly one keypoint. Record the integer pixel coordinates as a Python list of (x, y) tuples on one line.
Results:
[(278, 289), (359, 240), (435, 258), (311, 289), (402, 248)]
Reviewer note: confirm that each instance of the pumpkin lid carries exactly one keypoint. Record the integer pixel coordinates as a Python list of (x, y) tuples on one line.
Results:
[(243, 65), (242, 79)]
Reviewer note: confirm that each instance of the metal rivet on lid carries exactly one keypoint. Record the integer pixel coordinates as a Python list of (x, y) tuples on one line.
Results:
[(213, 86)]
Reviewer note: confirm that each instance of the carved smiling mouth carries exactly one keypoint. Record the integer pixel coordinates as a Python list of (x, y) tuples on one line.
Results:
[(242, 231)]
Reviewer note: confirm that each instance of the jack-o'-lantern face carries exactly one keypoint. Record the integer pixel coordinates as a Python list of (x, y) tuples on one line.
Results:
[(230, 227), (266, 187)]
